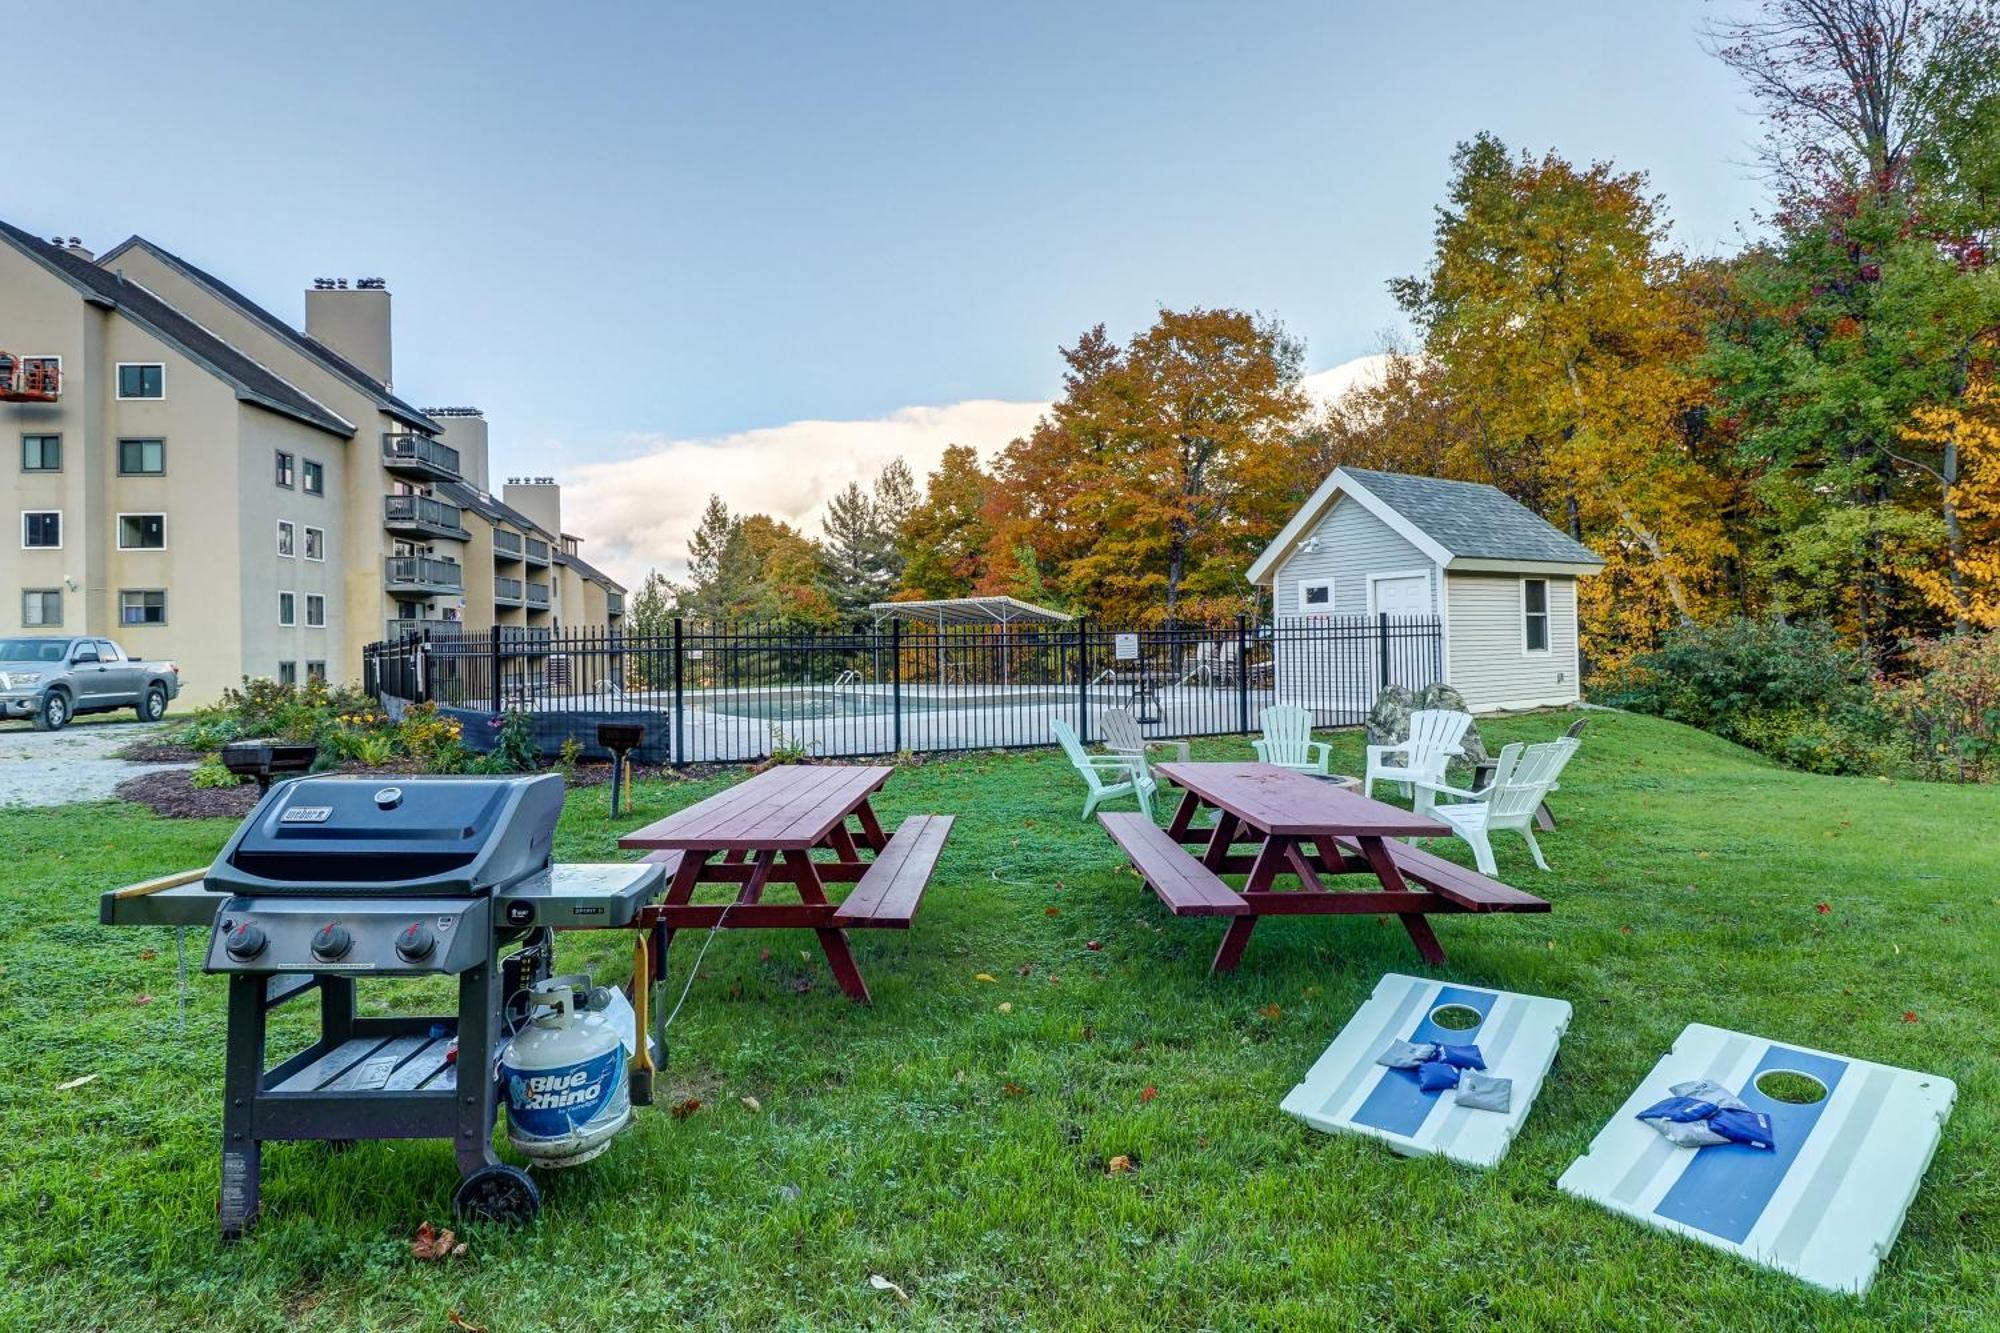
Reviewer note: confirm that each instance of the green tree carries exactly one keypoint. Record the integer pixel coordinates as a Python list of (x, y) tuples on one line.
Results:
[(943, 538), (722, 569)]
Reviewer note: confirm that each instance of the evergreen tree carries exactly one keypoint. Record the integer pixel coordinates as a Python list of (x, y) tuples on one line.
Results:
[(722, 569), (859, 561)]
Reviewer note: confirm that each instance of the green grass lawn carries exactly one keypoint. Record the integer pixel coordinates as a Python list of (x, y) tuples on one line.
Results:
[(960, 1149)]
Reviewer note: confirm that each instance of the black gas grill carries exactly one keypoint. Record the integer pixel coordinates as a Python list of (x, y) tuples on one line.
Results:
[(334, 881)]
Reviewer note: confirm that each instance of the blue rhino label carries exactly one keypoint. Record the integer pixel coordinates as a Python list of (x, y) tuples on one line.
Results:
[(560, 1103)]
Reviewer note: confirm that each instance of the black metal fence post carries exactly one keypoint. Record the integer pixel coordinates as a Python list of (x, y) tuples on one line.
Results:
[(679, 726), (895, 681), (493, 665), (1382, 681), (1083, 679), (1242, 675)]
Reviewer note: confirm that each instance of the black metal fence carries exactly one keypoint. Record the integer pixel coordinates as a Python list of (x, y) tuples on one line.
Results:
[(723, 693)]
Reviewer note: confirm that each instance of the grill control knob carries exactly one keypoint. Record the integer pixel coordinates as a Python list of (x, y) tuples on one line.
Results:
[(416, 943), (245, 942), (331, 942)]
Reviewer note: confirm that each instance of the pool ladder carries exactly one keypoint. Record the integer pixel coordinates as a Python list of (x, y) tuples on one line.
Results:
[(846, 678)]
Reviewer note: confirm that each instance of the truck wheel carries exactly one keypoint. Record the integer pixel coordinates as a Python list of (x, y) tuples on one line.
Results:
[(154, 706), (53, 715)]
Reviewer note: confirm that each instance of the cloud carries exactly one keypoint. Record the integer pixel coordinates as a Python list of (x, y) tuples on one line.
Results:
[(637, 513), (1327, 385)]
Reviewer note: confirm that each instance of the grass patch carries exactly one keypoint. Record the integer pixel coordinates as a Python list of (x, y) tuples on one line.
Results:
[(965, 1152)]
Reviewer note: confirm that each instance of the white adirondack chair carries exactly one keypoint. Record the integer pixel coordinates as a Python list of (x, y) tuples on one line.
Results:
[(1287, 740), (1107, 776), (1523, 776), (1122, 736), (1420, 757)]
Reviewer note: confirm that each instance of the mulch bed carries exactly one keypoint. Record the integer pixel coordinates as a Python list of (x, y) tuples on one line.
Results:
[(158, 750), (170, 795)]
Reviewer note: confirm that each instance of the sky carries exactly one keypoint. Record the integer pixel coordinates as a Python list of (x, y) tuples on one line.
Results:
[(760, 249)]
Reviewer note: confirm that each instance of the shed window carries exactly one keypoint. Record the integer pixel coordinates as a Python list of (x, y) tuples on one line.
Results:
[(1535, 615), (1316, 599)]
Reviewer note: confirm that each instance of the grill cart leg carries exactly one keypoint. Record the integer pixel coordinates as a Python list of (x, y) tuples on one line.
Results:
[(478, 1035), (243, 1069)]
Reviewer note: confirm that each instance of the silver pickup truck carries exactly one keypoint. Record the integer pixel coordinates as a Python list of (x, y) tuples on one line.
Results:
[(54, 678)]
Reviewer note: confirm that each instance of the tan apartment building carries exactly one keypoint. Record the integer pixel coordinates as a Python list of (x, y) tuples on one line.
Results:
[(208, 484)]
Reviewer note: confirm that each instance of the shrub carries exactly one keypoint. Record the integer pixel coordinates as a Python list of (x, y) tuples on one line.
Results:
[(210, 773), (1950, 707), (1794, 692), (514, 749), (566, 762)]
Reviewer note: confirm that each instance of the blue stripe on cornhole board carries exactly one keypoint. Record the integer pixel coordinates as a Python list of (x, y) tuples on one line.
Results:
[(1398, 1105), (1727, 1186)]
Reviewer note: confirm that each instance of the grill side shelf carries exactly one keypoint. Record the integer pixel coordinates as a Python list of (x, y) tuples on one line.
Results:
[(172, 900)]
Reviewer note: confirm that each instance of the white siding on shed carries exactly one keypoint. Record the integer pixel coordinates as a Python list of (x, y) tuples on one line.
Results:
[(1352, 544), (1486, 660)]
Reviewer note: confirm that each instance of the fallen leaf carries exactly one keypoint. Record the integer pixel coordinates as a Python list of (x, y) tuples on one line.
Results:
[(983, 976), (1701, 856), (763, 955), (880, 1283), (804, 956), (148, 955), (1909, 1015), (1822, 908), (1052, 911), (682, 1110), (1095, 946), (1012, 1089), (1006, 1006), (142, 999), (459, 1321), (432, 1245), (1089, 1033), (802, 985), (1118, 1165), (751, 1104), (1025, 969), (1624, 930), (76, 1082), (1149, 1093), (1272, 1012)]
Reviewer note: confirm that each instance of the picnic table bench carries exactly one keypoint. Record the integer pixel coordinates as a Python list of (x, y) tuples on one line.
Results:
[(1272, 823), (766, 829)]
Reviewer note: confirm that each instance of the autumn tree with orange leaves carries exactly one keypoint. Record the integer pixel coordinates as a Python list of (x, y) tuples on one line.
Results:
[(1166, 466)]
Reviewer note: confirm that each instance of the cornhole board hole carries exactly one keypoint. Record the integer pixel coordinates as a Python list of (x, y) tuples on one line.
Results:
[(1347, 1092), (1824, 1205)]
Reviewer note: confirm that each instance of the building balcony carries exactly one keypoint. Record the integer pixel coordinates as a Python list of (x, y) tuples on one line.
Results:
[(422, 574), (506, 546), (614, 603), (30, 379), (401, 629), (506, 592), (538, 552), (421, 516), (538, 596), (419, 456)]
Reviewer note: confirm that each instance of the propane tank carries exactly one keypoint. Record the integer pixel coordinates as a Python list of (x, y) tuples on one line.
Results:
[(565, 1077)]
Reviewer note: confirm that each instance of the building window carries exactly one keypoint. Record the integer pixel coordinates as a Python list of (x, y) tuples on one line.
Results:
[(41, 606), (287, 534), (288, 673), (316, 671), (142, 532), (284, 469), (141, 381), (142, 606), (41, 453), (313, 476), (142, 458), (1535, 615), (41, 528), (315, 610), (1316, 599), (315, 543), (288, 608)]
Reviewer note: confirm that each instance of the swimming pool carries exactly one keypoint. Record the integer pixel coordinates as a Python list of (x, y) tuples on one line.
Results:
[(808, 705)]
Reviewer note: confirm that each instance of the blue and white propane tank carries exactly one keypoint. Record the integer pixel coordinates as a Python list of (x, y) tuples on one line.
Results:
[(564, 1073)]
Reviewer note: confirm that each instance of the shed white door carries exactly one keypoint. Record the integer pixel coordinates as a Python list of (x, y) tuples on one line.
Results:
[(1402, 595)]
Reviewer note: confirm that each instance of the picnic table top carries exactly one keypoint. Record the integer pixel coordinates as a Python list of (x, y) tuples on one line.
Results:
[(790, 808), (1284, 802)]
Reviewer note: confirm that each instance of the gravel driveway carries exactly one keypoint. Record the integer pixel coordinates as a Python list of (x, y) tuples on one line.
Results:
[(78, 763)]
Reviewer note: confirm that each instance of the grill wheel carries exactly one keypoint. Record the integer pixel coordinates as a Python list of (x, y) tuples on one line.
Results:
[(498, 1193)]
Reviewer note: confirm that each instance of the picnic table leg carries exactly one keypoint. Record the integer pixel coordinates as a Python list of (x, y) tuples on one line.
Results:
[(681, 890), (832, 940), (1183, 819), (842, 843), (1419, 929), (1220, 840), (1234, 940), (760, 875), (1271, 860), (871, 827)]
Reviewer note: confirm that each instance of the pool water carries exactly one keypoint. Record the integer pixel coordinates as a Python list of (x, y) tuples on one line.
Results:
[(813, 705)]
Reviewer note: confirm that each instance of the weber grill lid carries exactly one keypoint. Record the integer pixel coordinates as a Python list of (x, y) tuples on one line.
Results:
[(377, 836)]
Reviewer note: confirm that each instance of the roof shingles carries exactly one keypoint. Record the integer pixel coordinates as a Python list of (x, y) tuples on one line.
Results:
[(1474, 520)]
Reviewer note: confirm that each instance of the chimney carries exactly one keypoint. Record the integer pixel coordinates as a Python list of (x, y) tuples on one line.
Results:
[(465, 431), (537, 497), (353, 321), (72, 246)]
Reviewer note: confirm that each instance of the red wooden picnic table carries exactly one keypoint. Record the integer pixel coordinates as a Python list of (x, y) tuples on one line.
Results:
[(765, 830), (1305, 830)]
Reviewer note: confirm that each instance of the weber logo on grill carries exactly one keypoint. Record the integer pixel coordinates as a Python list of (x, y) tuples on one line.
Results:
[(306, 814)]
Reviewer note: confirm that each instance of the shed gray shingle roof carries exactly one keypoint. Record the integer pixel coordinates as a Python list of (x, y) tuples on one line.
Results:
[(1473, 519), (304, 343), (253, 382)]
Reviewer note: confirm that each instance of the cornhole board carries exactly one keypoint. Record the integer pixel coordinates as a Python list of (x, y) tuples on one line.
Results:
[(1824, 1205), (1347, 1092)]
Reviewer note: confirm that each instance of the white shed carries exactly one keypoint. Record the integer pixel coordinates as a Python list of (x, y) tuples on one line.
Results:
[(1500, 581)]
